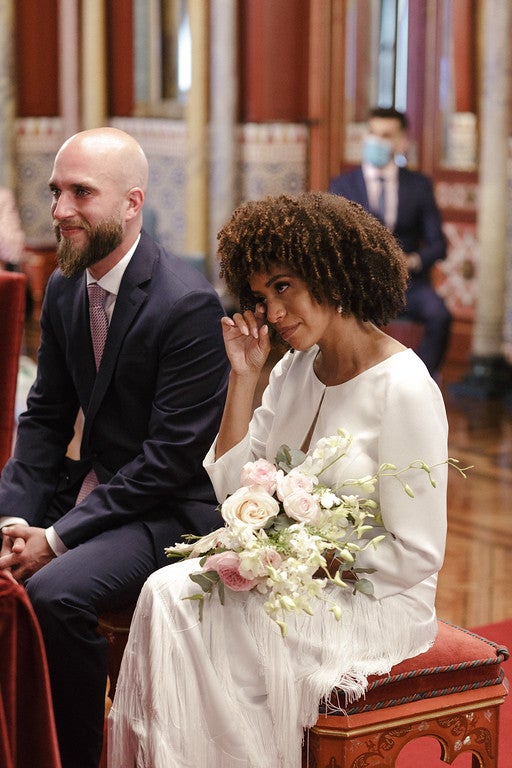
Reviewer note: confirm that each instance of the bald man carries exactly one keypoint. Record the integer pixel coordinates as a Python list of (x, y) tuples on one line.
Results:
[(151, 406)]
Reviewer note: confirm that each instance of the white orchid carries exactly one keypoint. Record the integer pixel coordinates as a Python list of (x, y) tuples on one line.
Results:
[(287, 535)]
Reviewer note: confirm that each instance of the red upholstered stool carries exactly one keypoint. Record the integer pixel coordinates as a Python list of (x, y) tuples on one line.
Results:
[(452, 692)]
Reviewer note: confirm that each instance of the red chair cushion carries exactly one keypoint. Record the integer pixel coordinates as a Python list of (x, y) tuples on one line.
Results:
[(457, 661)]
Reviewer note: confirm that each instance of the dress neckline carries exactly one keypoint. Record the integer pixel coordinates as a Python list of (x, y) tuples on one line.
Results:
[(361, 373)]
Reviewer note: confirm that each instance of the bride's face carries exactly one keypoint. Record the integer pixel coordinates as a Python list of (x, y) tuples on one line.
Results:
[(290, 308)]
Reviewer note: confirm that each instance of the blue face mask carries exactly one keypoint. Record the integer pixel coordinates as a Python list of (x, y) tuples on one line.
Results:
[(376, 151)]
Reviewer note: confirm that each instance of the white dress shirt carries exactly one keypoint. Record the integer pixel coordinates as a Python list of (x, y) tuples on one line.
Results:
[(389, 174)]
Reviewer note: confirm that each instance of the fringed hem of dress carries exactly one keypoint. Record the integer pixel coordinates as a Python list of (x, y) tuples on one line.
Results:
[(229, 691)]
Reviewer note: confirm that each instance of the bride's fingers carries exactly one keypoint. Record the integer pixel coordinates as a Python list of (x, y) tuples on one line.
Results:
[(237, 321), (246, 323), (249, 323)]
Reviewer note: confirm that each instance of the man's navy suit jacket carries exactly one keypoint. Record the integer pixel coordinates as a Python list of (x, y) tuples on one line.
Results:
[(418, 226), (151, 412)]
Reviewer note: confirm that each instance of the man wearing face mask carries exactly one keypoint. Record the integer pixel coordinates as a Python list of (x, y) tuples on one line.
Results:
[(404, 201)]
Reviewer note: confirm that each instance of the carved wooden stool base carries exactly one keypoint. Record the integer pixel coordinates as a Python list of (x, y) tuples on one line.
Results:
[(466, 722), (457, 703)]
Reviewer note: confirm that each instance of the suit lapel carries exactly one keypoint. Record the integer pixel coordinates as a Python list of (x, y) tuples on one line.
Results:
[(362, 192)]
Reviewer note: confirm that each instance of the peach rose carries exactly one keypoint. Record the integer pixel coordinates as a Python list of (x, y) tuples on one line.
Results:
[(250, 506)]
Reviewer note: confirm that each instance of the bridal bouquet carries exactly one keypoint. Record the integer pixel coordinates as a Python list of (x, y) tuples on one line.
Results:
[(287, 535)]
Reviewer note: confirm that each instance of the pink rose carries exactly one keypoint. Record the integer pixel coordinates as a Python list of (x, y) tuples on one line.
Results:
[(303, 507), (251, 506), (270, 557), (261, 473), (227, 565), (294, 481)]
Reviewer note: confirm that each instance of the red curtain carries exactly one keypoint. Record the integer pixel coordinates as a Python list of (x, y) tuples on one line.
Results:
[(27, 728)]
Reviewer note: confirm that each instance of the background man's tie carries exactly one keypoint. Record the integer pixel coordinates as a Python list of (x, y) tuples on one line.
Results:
[(99, 328), (381, 200)]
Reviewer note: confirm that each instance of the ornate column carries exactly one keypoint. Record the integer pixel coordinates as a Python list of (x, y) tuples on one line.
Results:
[(197, 128), (490, 374), (223, 118), (7, 99), (94, 96), (68, 66)]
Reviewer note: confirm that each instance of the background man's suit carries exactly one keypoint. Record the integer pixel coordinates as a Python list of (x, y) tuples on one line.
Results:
[(151, 414), (418, 228)]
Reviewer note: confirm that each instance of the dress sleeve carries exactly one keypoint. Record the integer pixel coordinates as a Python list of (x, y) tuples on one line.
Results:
[(414, 427), (225, 472)]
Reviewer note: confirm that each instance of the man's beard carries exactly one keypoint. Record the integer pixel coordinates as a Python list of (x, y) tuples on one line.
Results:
[(103, 238)]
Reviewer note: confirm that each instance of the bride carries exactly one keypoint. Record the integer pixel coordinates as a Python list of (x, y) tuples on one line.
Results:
[(228, 691)]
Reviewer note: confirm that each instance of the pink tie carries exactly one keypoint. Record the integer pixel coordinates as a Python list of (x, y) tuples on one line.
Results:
[(99, 328), (98, 319)]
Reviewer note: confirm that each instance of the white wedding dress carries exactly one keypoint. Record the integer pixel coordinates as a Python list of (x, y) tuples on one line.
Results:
[(228, 691)]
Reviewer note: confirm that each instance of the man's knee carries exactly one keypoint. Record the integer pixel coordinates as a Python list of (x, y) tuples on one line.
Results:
[(44, 593)]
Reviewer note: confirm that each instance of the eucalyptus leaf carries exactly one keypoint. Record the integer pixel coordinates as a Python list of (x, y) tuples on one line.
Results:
[(287, 458), (206, 581), (364, 585)]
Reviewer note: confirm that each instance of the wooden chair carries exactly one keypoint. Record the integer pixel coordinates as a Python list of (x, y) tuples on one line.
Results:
[(12, 316), (453, 692), (115, 626)]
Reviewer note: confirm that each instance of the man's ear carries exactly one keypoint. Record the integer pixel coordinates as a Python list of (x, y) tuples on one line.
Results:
[(402, 145), (135, 199)]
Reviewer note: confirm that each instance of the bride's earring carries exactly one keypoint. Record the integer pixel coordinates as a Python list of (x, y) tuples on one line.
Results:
[(339, 309)]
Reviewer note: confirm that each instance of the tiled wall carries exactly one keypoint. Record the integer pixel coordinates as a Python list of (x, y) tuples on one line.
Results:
[(272, 159)]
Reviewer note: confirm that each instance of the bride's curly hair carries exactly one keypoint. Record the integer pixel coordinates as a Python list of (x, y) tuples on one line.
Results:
[(346, 257)]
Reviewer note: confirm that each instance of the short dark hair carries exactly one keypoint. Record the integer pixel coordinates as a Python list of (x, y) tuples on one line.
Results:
[(390, 112), (345, 255)]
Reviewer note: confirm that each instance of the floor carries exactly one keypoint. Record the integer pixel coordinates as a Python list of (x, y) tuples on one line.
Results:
[(475, 584)]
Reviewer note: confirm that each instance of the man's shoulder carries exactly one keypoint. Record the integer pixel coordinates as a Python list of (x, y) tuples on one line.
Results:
[(346, 178), (410, 176), (167, 268)]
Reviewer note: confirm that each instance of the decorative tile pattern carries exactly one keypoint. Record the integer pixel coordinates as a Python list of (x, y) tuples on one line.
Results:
[(273, 159), (165, 145), (37, 141), (455, 278), (459, 196)]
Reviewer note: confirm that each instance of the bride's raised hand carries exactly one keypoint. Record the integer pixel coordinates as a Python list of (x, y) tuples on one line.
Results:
[(246, 340)]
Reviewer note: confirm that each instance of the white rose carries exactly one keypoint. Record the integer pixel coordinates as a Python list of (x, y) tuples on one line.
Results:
[(251, 506)]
